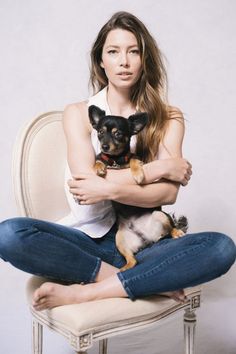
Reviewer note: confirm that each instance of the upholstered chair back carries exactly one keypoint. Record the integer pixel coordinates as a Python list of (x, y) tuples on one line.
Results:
[(38, 168)]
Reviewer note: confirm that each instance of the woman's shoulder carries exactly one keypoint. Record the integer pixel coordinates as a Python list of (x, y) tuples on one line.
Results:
[(174, 112), (175, 123), (76, 115), (76, 107), (173, 135)]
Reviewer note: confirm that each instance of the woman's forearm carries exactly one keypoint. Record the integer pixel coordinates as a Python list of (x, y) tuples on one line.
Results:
[(153, 171), (147, 196), (173, 169)]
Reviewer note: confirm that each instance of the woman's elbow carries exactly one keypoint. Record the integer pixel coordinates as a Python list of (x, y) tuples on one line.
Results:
[(171, 195), (172, 200)]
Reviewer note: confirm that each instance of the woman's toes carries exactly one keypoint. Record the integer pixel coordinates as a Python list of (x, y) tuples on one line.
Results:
[(42, 293), (178, 295), (41, 307), (36, 295)]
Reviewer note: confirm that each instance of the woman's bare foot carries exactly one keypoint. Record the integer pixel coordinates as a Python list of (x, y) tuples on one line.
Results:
[(177, 295), (50, 295)]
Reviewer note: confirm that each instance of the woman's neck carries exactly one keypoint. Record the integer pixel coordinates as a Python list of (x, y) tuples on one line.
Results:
[(119, 102)]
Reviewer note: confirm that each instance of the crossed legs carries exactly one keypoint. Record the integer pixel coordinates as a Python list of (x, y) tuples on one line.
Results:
[(107, 285), (67, 255)]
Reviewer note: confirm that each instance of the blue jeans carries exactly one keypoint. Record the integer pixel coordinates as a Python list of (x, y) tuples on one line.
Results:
[(66, 254)]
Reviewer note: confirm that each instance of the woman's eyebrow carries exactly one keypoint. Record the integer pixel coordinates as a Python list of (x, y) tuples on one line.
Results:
[(117, 46)]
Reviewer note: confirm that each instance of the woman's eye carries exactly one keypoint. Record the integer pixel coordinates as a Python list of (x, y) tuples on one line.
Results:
[(134, 51), (112, 52)]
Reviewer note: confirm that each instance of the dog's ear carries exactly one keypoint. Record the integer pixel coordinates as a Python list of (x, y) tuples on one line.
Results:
[(95, 114), (137, 122)]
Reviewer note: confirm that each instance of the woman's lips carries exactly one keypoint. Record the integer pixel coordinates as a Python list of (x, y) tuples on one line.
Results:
[(124, 73)]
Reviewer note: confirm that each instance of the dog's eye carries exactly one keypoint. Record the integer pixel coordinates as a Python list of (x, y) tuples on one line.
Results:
[(118, 135), (101, 132)]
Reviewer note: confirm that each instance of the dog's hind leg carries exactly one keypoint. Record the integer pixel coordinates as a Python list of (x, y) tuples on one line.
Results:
[(131, 262), (125, 251)]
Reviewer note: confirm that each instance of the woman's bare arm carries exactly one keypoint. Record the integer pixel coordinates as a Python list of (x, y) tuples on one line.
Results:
[(120, 185), (80, 152), (81, 155), (162, 192)]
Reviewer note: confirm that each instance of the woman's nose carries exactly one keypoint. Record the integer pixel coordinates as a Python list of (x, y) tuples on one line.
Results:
[(124, 61)]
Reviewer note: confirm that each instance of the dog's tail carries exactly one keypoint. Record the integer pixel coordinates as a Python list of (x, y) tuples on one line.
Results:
[(180, 223)]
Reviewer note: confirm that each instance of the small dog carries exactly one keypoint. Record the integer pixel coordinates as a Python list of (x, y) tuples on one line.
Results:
[(137, 227)]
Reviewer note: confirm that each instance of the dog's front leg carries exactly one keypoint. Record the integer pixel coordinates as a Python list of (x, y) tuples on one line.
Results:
[(136, 167)]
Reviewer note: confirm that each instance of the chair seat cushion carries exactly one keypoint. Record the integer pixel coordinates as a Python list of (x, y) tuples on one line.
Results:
[(103, 315)]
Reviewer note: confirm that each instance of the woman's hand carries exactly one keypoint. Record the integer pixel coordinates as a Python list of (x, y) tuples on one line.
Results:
[(90, 188), (177, 170)]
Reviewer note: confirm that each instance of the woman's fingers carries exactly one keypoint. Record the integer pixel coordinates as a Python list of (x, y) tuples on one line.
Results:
[(190, 169), (74, 188), (78, 199), (186, 179), (178, 170), (187, 173), (72, 183)]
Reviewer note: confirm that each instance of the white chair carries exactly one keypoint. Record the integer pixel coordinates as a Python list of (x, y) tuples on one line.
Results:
[(38, 176)]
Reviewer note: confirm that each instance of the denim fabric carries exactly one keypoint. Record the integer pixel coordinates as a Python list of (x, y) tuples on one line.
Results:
[(66, 254)]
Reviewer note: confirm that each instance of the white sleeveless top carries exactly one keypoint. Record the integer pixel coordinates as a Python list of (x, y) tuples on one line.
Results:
[(96, 219)]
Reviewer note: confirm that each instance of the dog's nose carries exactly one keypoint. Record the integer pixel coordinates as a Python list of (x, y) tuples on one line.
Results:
[(105, 147)]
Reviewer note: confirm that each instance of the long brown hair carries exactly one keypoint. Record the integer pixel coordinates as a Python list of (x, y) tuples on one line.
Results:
[(149, 94)]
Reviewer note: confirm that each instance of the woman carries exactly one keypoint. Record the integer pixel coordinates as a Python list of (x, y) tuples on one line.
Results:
[(128, 75)]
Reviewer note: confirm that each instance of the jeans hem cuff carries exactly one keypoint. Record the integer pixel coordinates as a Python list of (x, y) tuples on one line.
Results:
[(96, 270), (126, 287)]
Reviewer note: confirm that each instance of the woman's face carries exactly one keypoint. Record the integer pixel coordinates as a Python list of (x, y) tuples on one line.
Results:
[(121, 58)]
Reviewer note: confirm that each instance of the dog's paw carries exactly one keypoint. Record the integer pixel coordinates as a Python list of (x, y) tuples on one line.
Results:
[(101, 172), (131, 263), (137, 170), (126, 267), (100, 169), (176, 233), (138, 177)]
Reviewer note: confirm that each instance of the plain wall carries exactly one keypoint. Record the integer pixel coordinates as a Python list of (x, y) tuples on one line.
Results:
[(44, 66)]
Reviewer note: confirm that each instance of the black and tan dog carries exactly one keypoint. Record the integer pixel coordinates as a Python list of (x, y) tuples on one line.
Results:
[(137, 227)]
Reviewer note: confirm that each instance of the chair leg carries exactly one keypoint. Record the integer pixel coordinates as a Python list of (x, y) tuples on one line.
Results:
[(37, 337), (103, 346), (189, 331)]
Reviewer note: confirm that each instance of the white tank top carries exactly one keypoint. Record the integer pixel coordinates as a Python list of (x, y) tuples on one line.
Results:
[(96, 219)]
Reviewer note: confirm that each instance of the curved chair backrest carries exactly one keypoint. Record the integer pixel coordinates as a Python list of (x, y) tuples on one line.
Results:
[(38, 168)]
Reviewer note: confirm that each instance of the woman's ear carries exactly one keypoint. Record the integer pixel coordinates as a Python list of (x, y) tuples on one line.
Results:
[(101, 64)]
